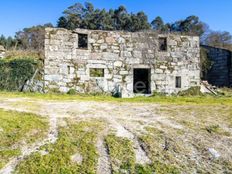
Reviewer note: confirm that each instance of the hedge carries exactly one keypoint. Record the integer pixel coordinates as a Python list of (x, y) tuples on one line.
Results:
[(15, 72)]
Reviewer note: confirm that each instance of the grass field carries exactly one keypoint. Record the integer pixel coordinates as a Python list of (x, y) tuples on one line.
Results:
[(18, 129), (207, 99), (77, 138), (101, 134)]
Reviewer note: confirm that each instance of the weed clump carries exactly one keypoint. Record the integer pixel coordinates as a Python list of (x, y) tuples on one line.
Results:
[(216, 129), (227, 92), (193, 91), (160, 94), (212, 128), (72, 92)]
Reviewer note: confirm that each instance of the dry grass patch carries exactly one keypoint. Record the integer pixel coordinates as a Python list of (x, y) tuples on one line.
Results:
[(205, 127)]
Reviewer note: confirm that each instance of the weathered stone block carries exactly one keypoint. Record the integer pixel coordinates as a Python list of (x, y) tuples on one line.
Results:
[(103, 46), (110, 40), (118, 63), (124, 73)]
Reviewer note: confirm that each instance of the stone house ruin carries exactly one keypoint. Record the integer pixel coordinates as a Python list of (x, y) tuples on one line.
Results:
[(220, 74), (121, 63)]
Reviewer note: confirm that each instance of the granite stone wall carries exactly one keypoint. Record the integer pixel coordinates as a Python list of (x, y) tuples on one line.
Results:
[(68, 67), (221, 72), (2, 51)]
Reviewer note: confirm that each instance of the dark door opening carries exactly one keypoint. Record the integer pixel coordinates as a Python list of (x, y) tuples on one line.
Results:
[(142, 81)]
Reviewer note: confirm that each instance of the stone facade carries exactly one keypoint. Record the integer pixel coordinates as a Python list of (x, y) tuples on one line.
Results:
[(128, 61), (220, 74), (2, 51)]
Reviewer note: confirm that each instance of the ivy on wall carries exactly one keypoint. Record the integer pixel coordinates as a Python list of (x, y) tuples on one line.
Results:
[(15, 72), (205, 62)]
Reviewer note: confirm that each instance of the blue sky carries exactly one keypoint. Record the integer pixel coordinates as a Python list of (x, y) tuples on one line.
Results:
[(17, 14)]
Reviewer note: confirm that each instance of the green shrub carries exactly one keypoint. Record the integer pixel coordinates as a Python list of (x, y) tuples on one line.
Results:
[(72, 92), (205, 63), (216, 129), (155, 93), (213, 128), (225, 92), (54, 91), (193, 91), (15, 72)]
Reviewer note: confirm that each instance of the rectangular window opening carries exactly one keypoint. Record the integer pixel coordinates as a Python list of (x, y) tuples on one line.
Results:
[(163, 44), (178, 82), (69, 69), (97, 72), (83, 41)]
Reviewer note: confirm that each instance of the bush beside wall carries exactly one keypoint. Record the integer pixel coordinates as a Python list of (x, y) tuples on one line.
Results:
[(15, 72)]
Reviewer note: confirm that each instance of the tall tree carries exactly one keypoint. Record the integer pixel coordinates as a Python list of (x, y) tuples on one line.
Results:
[(120, 18), (62, 22), (32, 38), (143, 24), (218, 39), (3, 40), (7, 42), (74, 15), (191, 25), (157, 24), (79, 16)]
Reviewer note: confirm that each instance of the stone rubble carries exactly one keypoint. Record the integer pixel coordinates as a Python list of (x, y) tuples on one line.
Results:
[(214, 153), (2, 52)]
